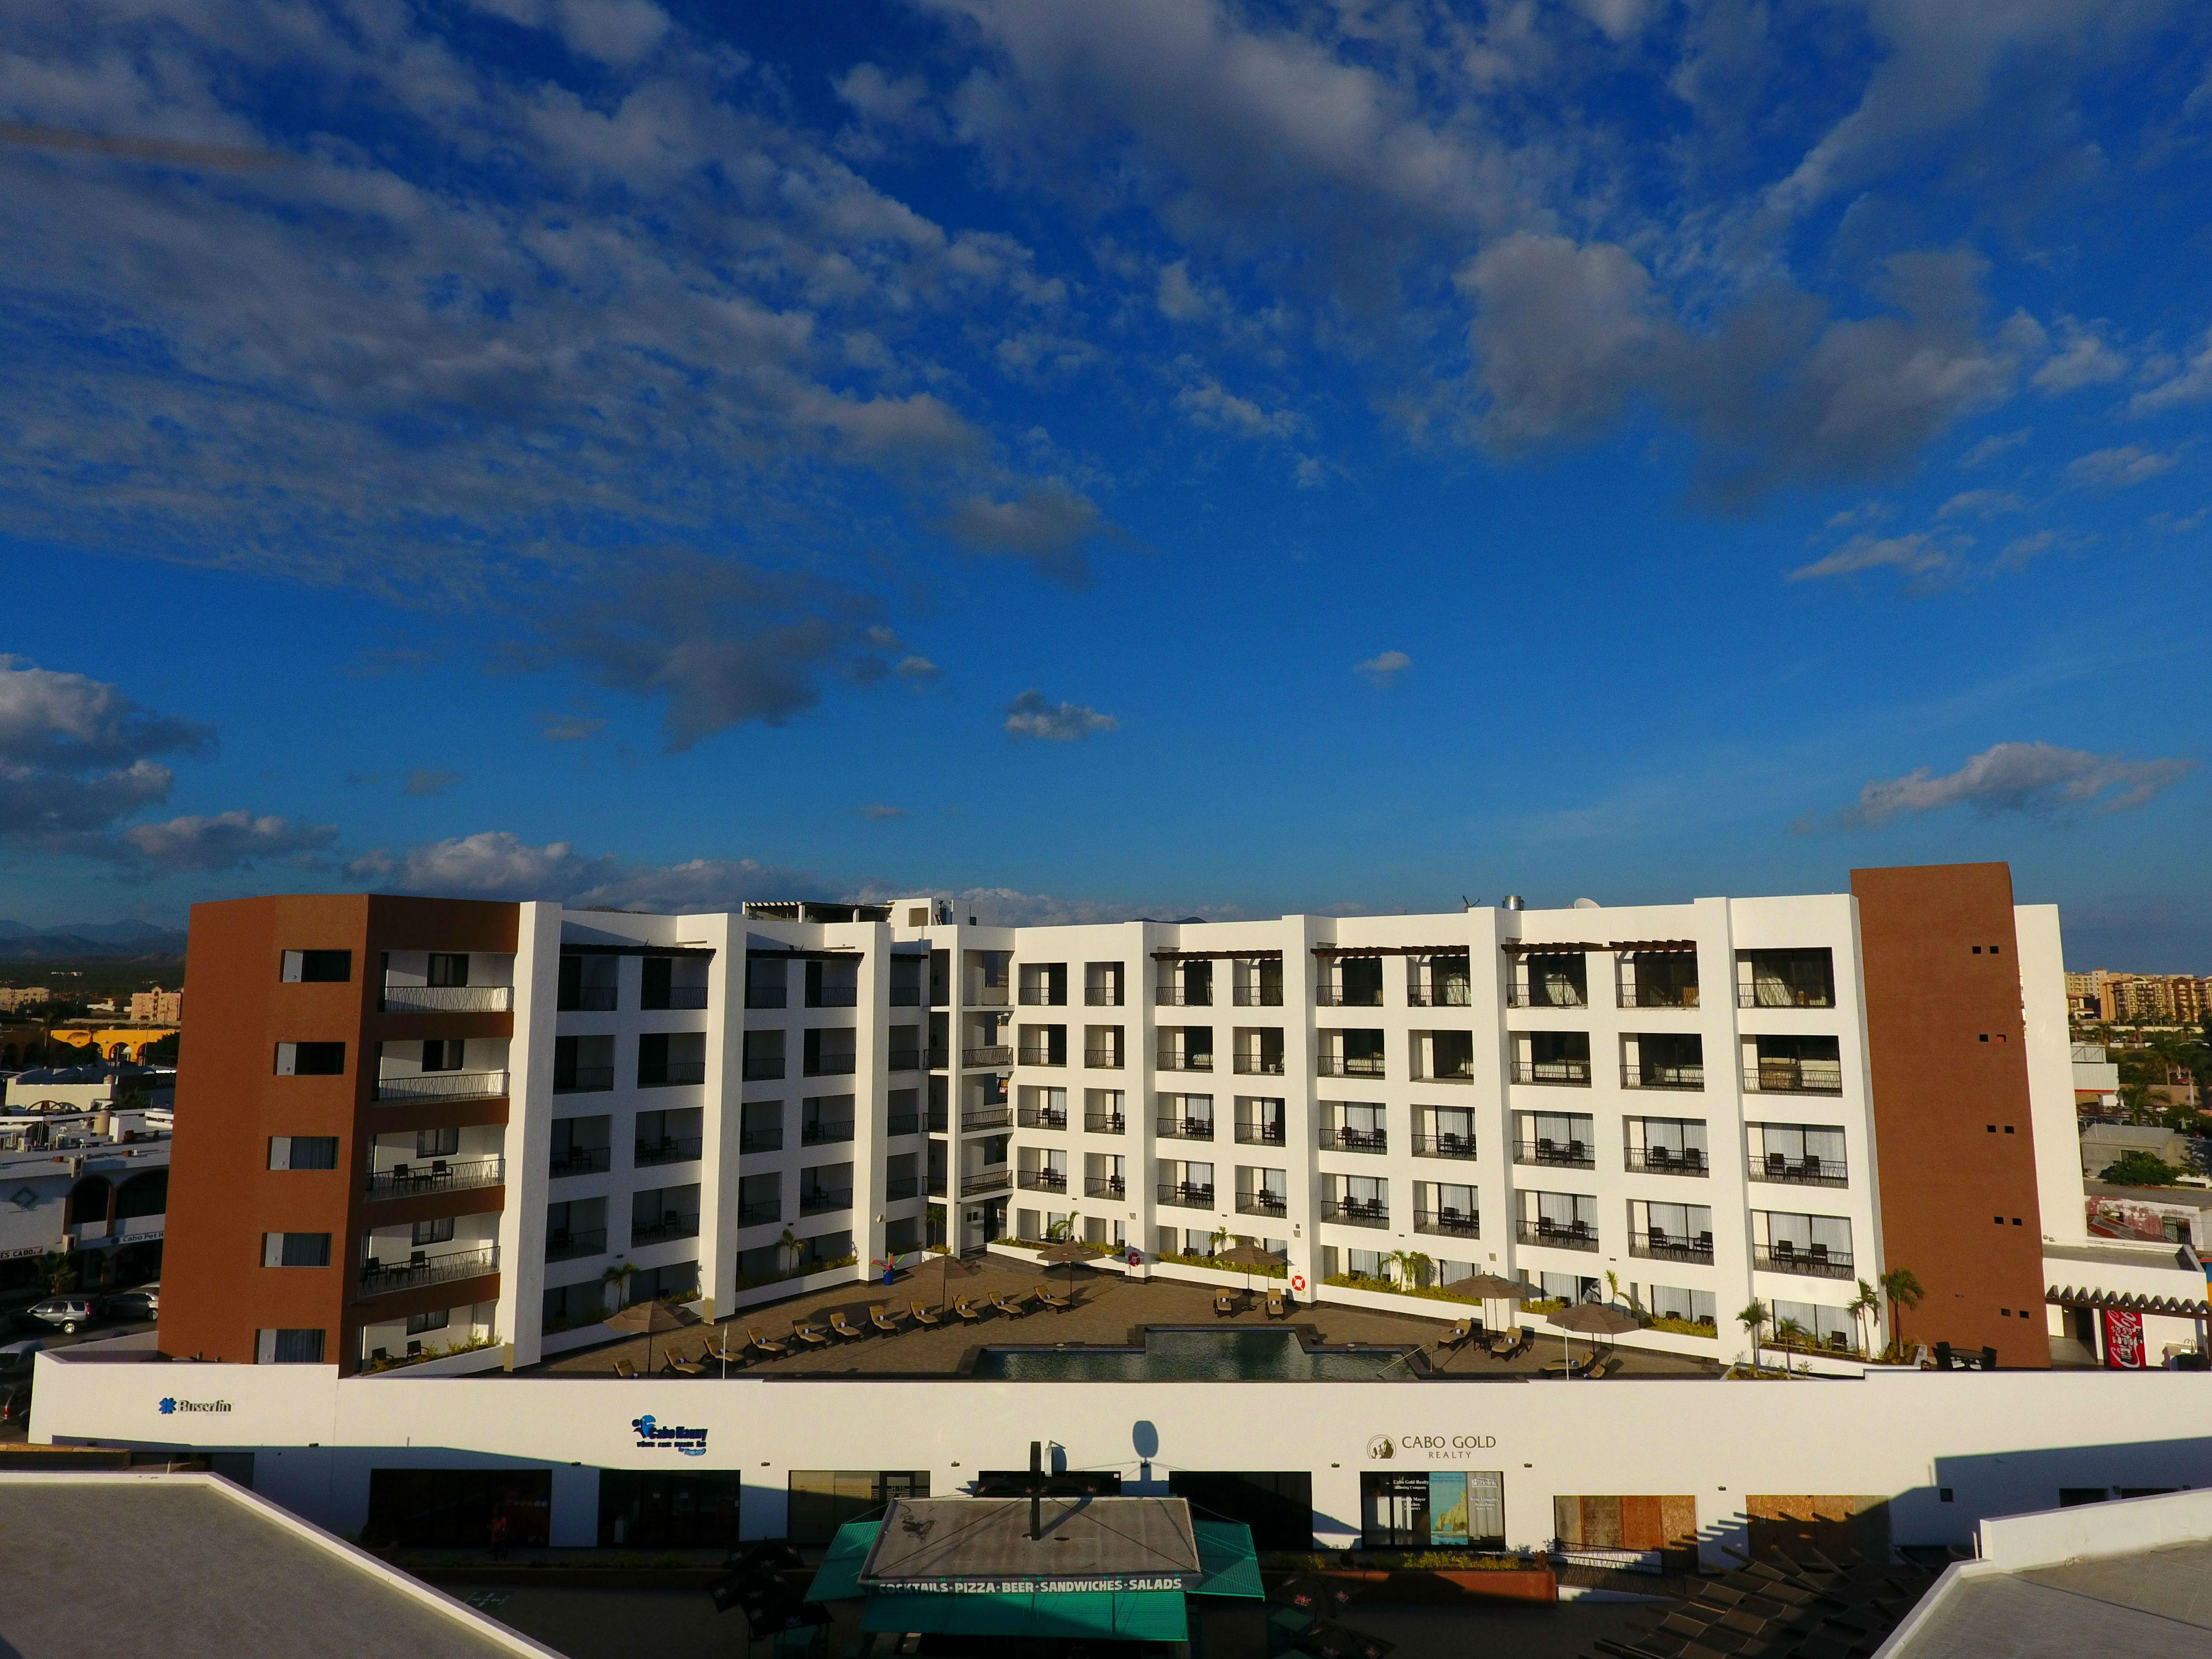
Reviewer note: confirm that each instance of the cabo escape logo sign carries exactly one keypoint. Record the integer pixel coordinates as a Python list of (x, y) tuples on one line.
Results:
[(653, 1437), (1437, 1448), (172, 1406)]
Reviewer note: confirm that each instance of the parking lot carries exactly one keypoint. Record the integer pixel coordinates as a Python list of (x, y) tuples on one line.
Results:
[(20, 1330)]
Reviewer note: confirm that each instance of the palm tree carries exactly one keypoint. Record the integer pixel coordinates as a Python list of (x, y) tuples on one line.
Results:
[(58, 1267), (1418, 1263), (1217, 1241), (617, 1278), (791, 1249), (1902, 1286), (1753, 1319), (1866, 1304), (1788, 1334)]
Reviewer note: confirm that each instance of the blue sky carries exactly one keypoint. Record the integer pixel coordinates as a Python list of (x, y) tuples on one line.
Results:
[(1121, 457)]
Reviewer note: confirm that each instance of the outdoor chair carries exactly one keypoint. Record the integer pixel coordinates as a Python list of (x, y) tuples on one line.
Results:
[(773, 1350), (624, 1368), (726, 1355), (843, 1326), (1607, 1366), (1057, 1303), (1011, 1306), (676, 1361), (884, 1320), (1461, 1332), (1279, 1305), (813, 1335), (1224, 1303), (1509, 1342), (967, 1309), (926, 1315)]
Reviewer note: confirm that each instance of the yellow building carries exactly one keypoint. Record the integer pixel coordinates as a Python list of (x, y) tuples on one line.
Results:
[(111, 1042)]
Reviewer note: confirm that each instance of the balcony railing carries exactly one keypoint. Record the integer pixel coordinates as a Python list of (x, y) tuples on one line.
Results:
[(675, 1074), (936, 1184), (1450, 1223), (1335, 996), (451, 1085), (1102, 1059), (831, 1065), (1651, 1076), (1042, 1117), (1183, 996), (1001, 1116), (1251, 1065), (568, 1244), (760, 1140), (1183, 1060), (1349, 1065), (1105, 1187), (381, 1278), (1443, 1146), (1258, 996), (1041, 1181), (1355, 1141), (1186, 1195), (1263, 1203), (669, 1149), (438, 1175), (990, 1054), (586, 999), (450, 998), (1260, 1134), (1546, 996), (760, 1212), (759, 1068), (985, 1181), (1773, 995), (768, 996), (1101, 996), (1558, 1234), (676, 996), (581, 1160), (1040, 996), (898, 1187), (938, 1121), (1453, 994), (1460, 1071), (825, 1132), (903, 1123), (821, 1201), (1662, 1160), (1563, 1154), (670, 1225), (1656, 996), (834, 996), (1044, 1057), (1816, 1260), (905, 1060), (989, 996), (1355, 1212), (1795, 1077), (1667, 1247), (1572, 1074), (1183, 1128), (1105, 1123), (937, 1059), (1801, 1171)]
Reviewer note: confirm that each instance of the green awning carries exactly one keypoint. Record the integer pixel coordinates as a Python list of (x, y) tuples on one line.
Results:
[(838, 1578), (1227, 1563), (1115, 1615)]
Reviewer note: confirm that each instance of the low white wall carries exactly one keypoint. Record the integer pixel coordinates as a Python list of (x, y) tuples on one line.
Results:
[(2016, 1543)]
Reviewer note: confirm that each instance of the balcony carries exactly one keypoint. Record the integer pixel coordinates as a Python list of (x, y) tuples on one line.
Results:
[(990, 996), (1258, 996), (1041, 1181), (937, 1059), (1776, 995), (768, 996), (676, 996), (668, 1226), (1349, 1065), (669, 1149), (834, 996), (1795, 1077), (1043, 1057), (449, 999), (1546, 996), (382, 1277), (438, 1175), (760, 1212), (1183, 996), (898, 1187), (1335, 996), (1460, 1072), (1042, 1117), (581, 1160), (759, 1068), (674, 1075), (831, 1065), (1040, 996), (1802, 1172), (1664, 993), (936, 1183), (1261, 1134), (1186, 1195), (1569, 1073), (1814, 1261), (1560, 1154), (1102, 1059), (454, 1086), (1001, 1116), (1105, 1123), (1251, 1065), (760, 1140), (1663, 1077), (985, 1181), (1182, 1059), (1355, 1141), (1453, 994), (1277, 1205), (1443, 1146), (825, 1132), (990, 1055), (1101, 996), (1660, 1246), (1355, 1212), (1183, 1128), (1660, 1160), (1105, 1187), (1449, 1224), (1557, 1234), (586, 999), (569, 1246), (822, 1200), (905, 1060)]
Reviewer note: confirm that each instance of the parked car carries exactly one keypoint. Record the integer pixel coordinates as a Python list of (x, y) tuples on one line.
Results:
[(15, 1404), (16, 1356), (133, 1304), (67, 1313)]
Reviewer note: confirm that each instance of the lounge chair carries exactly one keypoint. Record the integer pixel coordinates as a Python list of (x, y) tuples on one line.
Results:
[(1459, 1335), (624, 1368), (843, 1326), (966, 1310), (773, 1350), (1057, 1303), (1607, 1366), (1566, 1368), (884, 1320), (1279, 1305), (813, 1335), (1508, 1343), (726, 1355), (926, 1315), (1224, 1303), (1011, 1306), (683, 1367)]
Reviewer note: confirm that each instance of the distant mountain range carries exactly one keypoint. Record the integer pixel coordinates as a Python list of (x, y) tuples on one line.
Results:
[(20, 942)]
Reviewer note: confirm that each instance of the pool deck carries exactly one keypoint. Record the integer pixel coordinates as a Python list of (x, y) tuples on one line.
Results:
[(1109, 1311)]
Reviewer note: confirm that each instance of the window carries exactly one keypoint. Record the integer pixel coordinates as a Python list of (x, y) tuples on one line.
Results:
[(439, 1231), (1692, 1307), (658, 1509), (760, 1127), (453, 1508), (437, 1143), (303, 1151), (763, 1055), (443, 1054), (586, 982), (1418, 1510), (420, 1323), (833, 984), (311, 1059), (823, 1500), (582, 1065), (318, 967), (767, 980), (829, 1052), (295, 1249), (448, 968), (288, 1347), (1277, 1506), (906, 981)]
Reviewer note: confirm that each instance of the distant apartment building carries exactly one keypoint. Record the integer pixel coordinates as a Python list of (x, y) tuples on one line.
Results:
[(412, 1121), (2139, 999), (13, 999), (157, 1007)]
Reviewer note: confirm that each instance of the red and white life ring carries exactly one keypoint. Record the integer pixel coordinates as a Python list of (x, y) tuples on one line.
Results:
[(1298, 1281)]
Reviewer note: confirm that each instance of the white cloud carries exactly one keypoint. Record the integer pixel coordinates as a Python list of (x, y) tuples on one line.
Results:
[(2082, 359), (879, 813), (1210, 404), (2186, 382), (49, 717), (1980, 504), (1992, 447), (2020, 777), (1921, 554), (224, 841), (430, 781), (1383, 669), (1047, 525), (918, 669), (1031, 715), (2119, 468)]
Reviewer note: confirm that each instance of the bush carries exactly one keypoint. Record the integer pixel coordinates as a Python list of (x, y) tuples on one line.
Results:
[(1271, 1271), (2139, 1169), (800, 1272), (1396, 1287), (1681, 1327), (430, 1351)]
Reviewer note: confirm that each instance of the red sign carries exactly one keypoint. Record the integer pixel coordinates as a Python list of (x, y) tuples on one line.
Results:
[(2123, 1340)]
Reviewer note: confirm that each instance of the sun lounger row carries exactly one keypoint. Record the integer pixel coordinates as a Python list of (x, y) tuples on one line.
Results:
[(1228, 1303), (882, 1319)]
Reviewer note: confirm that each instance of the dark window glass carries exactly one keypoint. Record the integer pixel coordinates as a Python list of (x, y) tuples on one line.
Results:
[(324, 967), (1277, 1506), (306, 1250), (453, 1508), (655, 1509), (298, 1348), (439, 1231), (318, 1059), (314, 1151), (435, 1143), (449, 968), (418, 1323), (653, 992), (653, 1056)]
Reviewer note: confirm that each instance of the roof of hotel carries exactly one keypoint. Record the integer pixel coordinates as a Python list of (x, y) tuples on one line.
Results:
[(191, 1567), (2148, 1602)]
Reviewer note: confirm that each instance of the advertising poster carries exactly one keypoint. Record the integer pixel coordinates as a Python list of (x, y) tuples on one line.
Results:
[(1446, 1507), (2123, 1340)]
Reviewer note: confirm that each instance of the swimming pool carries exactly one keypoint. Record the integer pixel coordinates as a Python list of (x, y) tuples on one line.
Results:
[(1199, 1355)]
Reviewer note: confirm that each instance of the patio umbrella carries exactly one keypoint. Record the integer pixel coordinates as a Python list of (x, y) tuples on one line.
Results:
[(1068, 1250), (1487, 1288), (949, 1266), (1593, 1319), (653, 1318), (1248, 1255)]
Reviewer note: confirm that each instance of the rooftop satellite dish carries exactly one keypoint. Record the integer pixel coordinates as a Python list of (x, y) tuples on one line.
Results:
[(1587, 904)]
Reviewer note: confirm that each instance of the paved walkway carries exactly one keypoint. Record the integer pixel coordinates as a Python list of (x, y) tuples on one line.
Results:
[(1109, 1311)]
